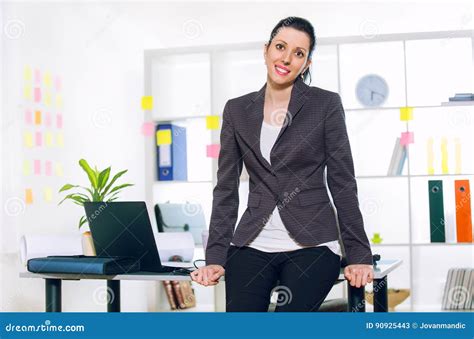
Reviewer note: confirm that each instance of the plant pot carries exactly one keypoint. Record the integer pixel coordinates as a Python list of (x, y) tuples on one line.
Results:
[(88, 244)]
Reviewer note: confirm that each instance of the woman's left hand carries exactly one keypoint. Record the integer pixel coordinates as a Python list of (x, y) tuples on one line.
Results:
[(359, 275)]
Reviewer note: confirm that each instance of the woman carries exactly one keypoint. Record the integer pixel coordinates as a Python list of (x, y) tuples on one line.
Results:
[(287, 134)]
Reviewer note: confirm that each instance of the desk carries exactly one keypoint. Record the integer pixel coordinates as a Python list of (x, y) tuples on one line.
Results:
[(356, 296)]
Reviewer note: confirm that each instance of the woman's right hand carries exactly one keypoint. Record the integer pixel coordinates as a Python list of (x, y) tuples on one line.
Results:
[(208, 275)]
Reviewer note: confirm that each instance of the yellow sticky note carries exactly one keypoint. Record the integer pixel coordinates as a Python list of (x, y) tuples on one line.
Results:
[(28, 139), (212, 122), (47, 98), (406, 113), (163, 137), (59, 101), (147, 102), (48, 139), (27, 92), (26, 167), (47, 79), (27, 73), (60, 140), (28, 196), (48, 194), (444, 156), (58, 169)]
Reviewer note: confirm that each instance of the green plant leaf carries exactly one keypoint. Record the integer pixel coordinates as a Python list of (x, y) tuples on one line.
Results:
[(119, 187), (82, 221), (103, 177), (116, 176), (67, 187), (75, 197), (90, 173)]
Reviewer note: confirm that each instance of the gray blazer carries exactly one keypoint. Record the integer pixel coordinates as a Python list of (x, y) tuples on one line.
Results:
[(313, 137)]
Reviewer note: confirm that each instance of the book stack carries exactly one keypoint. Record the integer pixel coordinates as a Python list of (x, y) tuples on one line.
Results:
[(397, 162), (458, 289), (180, 294), (462, 97)]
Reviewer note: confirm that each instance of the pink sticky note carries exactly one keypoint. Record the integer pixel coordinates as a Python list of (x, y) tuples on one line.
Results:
[(38, 138), (37, 76), (407, 138), (148, 129), (37, 167), (213, 150), (28, 117), (37, 94), (48, 168), (59, 121), (47, 119), (57, 83)]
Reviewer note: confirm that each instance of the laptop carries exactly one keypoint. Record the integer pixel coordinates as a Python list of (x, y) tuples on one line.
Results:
[(124, 229)]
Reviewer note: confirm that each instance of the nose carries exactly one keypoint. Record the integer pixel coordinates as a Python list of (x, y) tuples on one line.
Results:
[(286, 59)]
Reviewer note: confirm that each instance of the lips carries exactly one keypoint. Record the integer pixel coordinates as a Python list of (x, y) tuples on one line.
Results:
[(281, 70)]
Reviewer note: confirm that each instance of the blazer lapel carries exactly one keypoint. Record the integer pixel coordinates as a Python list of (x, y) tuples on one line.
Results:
[(299, 94)]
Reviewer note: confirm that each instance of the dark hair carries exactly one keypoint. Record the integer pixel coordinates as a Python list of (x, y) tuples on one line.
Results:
[(302, 25)]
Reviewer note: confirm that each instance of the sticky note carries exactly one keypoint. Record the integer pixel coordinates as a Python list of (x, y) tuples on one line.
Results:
[(444, 156), (148, 128), (59, 101), (37, 167), (48, 194), (47, 79), (212, 122), (430, 156), (406, 113), (28, 196), (37, 94), (48, 139), (407, 138), (26, 167), (48, 168), (47, 119), (212, 151), (28, 139), (163, 137), (28, 117), (58, 169), (37, 77), (147, 103), (27, 73), (37, 117), (27, 92), (59, 121), (60, 140), (38, 138), (58, 83), (47, 98)]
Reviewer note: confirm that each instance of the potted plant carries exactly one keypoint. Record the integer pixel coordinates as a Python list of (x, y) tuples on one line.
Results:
[(100, 190)]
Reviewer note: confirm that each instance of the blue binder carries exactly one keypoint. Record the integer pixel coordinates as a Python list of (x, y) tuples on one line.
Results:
[(172, 159)]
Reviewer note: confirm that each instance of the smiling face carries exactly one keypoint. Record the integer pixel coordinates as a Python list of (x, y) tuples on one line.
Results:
[(287, 55)]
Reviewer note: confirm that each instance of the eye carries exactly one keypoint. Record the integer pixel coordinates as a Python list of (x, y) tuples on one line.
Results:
[(279, 46), (300, 54)]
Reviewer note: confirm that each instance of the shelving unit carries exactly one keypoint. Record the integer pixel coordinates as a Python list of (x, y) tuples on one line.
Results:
[(190, 83)]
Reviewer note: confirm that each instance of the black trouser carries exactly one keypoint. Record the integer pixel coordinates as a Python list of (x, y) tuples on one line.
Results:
[(302, 278)]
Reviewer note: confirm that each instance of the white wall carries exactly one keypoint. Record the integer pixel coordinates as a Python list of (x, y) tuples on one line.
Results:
[(98, 50)]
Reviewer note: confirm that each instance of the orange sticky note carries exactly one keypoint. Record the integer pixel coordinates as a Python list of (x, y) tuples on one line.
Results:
[(212, 122), (37, 117), (212, 151), (406, 113), (407, 138), (28, 196), (147, 102), (163, 137)]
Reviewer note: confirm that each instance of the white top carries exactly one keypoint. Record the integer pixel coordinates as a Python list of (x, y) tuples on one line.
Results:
[(274, 236)]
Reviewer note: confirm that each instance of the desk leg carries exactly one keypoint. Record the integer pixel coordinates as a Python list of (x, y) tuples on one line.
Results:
[(356, 298), (113, 295), (380, 295), (53, 295)]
